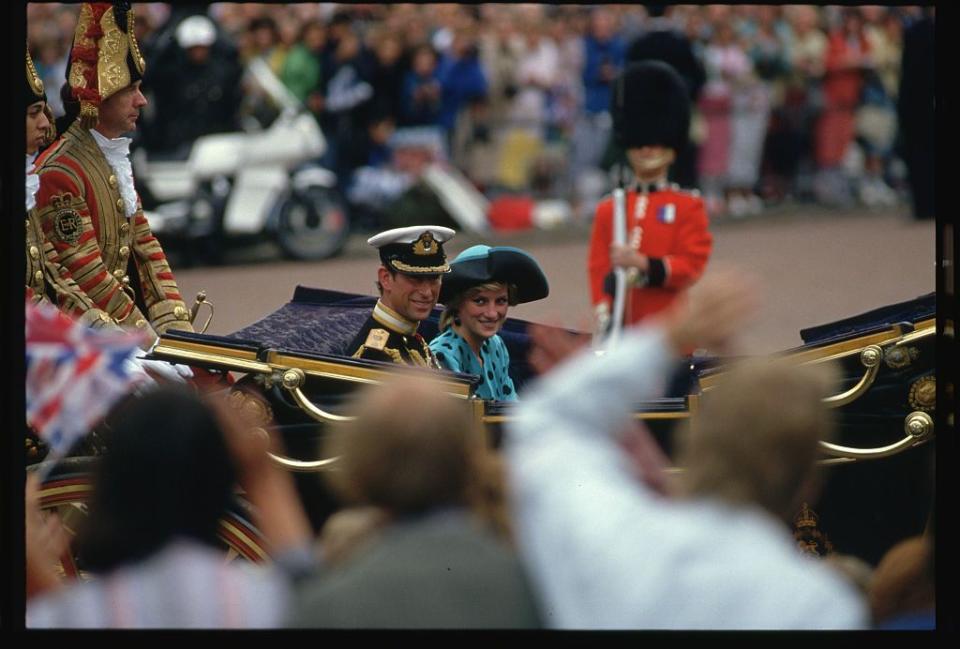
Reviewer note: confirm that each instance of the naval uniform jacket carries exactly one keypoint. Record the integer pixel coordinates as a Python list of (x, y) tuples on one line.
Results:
[(120, 272), (388, 336), (666, 224)]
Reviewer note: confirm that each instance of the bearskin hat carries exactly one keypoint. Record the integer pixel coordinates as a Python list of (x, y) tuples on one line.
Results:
[(650, 107)]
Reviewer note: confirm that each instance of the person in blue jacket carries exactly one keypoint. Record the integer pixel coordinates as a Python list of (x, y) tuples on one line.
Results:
[(482, 284)]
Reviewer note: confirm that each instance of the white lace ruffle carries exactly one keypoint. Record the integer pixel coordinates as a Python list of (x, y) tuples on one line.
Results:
[(33, 184), (117, 153)]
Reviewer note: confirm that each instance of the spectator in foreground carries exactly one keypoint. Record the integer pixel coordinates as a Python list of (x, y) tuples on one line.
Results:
[(438, 557), (151, 534), (606, 551)]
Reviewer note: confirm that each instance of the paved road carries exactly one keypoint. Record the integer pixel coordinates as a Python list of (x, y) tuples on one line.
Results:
[(815, 266)]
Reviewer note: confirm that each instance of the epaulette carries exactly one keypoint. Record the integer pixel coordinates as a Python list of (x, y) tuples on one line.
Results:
[(377, 339)]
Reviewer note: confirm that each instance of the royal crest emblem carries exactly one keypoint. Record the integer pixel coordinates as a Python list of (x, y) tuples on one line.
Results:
[(67, 222)]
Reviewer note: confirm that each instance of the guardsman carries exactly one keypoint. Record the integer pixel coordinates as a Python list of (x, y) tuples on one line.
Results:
[(667, 242), (87, 205), (412, 262)]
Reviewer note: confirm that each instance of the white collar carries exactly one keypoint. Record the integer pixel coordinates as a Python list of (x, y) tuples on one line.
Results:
[(117, 153), (33, 183), (116, 146), (393, 320)]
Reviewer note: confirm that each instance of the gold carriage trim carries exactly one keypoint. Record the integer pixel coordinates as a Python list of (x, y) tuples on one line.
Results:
[(923, 394)]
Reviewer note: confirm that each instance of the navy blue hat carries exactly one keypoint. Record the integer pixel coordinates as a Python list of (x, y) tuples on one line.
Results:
[(482, 264)]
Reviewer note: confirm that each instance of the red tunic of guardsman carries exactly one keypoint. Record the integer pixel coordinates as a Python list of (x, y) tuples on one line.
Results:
[(668, 226), (87, 205), (666, 240)]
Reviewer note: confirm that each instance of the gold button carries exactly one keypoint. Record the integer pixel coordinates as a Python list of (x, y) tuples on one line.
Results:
[(124, 251), (38, 275), (124, 228), (180, 312), (119, 203), (118, 273), (126, 280), (104, 317), (28, 223), (112, 180), (34, 252), (141, 323)]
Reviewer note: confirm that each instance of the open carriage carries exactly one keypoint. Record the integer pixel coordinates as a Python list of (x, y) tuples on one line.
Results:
[(292, 372)]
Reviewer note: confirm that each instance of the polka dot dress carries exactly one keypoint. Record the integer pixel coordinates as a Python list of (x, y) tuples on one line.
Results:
[(455, 354)]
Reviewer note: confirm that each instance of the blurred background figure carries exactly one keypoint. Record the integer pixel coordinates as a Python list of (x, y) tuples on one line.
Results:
[(846, 62), (195, 81), (439, 555), (302, 65), (604, 53), (421, 93)]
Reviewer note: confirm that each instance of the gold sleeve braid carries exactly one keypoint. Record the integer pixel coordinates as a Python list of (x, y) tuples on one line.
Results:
[(165, 307), (42, 271)]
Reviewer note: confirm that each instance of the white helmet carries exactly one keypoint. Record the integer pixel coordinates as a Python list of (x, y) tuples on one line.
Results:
[(196, 31)]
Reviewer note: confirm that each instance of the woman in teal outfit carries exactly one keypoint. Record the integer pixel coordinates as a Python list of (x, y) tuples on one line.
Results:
[(482, 284)]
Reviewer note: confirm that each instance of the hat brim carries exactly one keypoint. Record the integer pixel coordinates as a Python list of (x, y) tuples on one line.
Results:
[(501, 264)]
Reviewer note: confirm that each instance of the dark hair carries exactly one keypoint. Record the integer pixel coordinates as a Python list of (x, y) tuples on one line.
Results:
[(166, 473), (71, 108)]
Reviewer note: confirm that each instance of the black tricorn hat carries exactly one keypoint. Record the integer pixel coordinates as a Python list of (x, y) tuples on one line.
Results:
[(504, 264), (650, 107)]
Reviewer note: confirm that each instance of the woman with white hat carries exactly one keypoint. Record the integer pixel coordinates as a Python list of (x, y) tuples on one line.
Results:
[(482, 284)]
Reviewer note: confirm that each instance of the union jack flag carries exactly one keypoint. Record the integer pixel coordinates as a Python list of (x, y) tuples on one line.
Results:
[(74, 374)]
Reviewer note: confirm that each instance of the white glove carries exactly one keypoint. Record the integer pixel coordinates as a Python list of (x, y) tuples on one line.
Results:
[(169, 371), (141, 379)]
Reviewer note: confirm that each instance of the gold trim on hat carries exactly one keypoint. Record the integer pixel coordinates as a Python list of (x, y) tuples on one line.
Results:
[(421, 270), (134, 46), (112, 71), (33, 79)]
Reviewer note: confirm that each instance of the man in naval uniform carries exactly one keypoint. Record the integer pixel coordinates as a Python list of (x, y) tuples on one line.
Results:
[(667, 240), (86, 203), (412, 263)]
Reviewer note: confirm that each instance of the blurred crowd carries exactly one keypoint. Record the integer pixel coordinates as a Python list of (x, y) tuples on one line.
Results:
[(793, 102)]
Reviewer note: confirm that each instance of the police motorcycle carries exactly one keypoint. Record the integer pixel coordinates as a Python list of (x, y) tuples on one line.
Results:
[(291, 370), (248, 186)]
